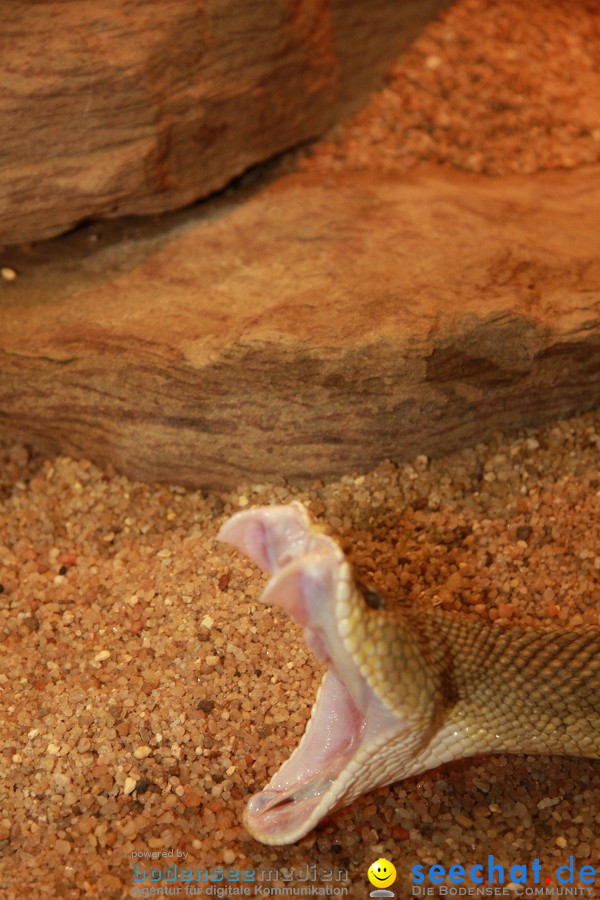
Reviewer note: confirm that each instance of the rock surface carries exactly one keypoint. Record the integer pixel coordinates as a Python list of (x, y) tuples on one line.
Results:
[(315, 328), (141, 106)]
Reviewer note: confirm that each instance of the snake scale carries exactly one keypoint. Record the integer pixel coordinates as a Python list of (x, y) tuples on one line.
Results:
[(405, 690)]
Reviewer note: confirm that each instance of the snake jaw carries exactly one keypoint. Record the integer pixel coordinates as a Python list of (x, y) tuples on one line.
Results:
[(311, 580), (304, 788), (272, 536)]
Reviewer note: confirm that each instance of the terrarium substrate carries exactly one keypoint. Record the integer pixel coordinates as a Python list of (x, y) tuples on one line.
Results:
[(147, 692)]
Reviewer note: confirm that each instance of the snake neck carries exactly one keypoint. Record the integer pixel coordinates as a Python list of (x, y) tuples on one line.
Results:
[(403, 657), (474, 688)]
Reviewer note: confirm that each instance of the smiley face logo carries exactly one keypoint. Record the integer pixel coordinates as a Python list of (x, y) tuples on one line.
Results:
[(382, 873)]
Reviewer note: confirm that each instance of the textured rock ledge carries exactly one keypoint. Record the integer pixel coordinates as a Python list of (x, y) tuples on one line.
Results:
[(314, 329), (140, 106)]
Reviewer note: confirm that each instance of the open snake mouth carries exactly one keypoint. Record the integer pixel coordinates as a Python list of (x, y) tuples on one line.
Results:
[(312, 581)]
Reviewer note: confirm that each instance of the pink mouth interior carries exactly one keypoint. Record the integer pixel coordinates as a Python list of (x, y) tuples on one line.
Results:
[(305, 566), (328, 745)]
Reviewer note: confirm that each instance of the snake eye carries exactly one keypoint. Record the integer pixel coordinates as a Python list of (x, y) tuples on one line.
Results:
[(373, 598)]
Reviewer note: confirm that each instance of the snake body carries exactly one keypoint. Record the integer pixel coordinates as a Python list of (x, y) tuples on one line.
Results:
[(406, 689)]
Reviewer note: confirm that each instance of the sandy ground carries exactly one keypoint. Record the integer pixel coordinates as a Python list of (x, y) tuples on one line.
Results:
[(147, 693), (488, 87)]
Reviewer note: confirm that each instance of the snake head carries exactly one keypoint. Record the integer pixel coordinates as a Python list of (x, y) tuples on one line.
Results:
[(350, 724), (406, 689)]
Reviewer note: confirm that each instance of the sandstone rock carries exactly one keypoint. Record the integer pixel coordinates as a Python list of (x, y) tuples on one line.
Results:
[(141, 106), (313, 329)]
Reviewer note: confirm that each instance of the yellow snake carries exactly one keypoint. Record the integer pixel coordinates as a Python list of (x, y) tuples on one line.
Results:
[(405, 690)]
